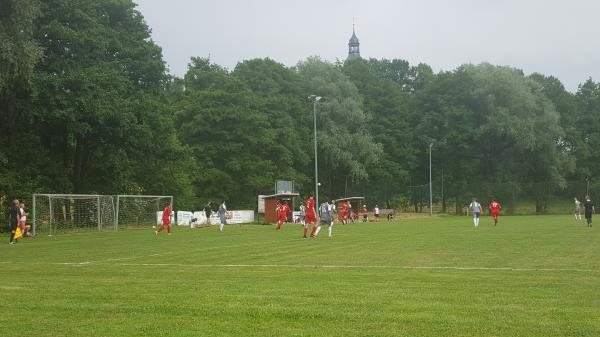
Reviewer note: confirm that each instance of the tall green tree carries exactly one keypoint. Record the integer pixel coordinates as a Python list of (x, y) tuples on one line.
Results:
[(99, 111), (492, 124), (346, 148), (19, 55), (386, 86), (238, 136)]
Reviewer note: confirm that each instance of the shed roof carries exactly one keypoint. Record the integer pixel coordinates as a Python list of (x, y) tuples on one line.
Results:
[(350, 198), (279, 195)]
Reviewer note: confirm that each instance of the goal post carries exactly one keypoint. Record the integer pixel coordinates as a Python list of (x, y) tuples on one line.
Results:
[(139, 211), (54, 213)]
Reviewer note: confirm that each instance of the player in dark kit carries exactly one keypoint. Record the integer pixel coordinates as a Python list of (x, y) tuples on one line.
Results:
[(15, 217), (589, 210)]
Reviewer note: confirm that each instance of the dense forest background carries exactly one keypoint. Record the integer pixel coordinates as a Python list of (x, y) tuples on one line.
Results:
[(87, 106)]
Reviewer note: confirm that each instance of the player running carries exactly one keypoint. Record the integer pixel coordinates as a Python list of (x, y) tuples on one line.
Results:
[(282, 211), (332, 212), (476, 208), (577, 209), (311, 216), (589, 209), (495, 208), (15, 217), (325, 219), (166, 220)]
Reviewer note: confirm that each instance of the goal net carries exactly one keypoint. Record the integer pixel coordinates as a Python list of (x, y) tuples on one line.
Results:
[(140, 211), (55, 213)]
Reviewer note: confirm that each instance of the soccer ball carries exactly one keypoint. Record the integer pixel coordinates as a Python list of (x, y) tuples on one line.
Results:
[(153, 226)]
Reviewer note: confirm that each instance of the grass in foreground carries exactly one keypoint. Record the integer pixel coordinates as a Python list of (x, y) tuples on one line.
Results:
[(530, 276)]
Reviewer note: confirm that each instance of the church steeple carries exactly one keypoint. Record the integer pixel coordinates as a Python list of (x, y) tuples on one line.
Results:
[(353, 46)]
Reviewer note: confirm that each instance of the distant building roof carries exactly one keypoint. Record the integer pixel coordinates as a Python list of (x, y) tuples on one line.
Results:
[(280, 195), (350, 199)]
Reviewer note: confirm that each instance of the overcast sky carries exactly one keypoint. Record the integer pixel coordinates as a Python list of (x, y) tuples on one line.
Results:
[(553, 37)]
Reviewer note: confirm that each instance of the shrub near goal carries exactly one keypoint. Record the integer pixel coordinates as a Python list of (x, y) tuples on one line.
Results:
[(53, 213)]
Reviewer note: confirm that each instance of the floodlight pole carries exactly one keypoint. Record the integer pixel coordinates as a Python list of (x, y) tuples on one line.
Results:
[(587, 187), (315, 99), (430, 186)]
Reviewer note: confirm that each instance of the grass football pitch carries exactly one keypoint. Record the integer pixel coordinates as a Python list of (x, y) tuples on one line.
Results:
[(529, 276)]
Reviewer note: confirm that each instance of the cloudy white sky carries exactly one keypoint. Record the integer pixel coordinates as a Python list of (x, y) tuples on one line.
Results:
[(553, 37)]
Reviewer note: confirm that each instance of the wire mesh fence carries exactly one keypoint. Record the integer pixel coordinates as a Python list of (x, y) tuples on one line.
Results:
[(516, 198)]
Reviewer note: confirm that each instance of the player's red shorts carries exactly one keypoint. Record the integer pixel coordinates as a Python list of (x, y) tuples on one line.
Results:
[(311, 217), (166, 222), (495, 214)]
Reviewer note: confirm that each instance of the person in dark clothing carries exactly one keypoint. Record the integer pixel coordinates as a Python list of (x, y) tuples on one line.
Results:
[(589, 209), (208, 212), (15, 217)]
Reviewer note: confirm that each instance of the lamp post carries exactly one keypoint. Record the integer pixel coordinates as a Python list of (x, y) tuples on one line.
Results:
[(430, 186), (315, 99), (587, 186)]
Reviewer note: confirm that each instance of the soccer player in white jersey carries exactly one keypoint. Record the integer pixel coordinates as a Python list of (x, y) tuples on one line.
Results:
[(476, 207), (577, 209), (324, 217), (302, 210), (223, 214), (332, 212)]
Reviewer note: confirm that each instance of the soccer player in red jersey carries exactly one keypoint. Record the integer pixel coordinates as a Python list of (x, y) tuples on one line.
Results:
[(364, 213), (283, 210), (343, 211), (166, 220), (311, 216), (495, 208), (277, 211)]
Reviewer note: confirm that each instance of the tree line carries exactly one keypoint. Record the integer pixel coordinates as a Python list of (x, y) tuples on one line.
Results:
[(88, 106)]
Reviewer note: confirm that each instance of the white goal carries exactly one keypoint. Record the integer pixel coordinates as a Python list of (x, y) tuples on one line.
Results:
[(140, 211), (54, 213)]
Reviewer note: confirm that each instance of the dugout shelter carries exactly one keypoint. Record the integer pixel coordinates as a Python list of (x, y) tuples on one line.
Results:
[(271, 205), (355, 202)]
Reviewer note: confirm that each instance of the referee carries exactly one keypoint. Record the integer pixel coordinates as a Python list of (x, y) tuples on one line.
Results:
[(15, 216)]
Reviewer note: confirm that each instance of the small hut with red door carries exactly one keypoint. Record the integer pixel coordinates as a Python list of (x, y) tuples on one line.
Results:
[(271, 205), (355, 202)]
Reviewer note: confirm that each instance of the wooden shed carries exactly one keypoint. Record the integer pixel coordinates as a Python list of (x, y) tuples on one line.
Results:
[(271, 205), (355, 202)]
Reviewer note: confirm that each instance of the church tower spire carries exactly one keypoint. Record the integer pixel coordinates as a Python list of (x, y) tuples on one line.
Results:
[(353, 46)]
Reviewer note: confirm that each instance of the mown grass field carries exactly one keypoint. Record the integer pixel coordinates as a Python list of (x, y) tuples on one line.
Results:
[(530, 276)]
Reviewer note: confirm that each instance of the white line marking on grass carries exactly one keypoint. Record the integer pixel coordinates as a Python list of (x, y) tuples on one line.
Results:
[(306, 266), (104, 261)]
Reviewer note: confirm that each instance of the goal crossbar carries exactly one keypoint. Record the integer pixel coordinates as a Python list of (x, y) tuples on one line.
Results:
[(99, 204)]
